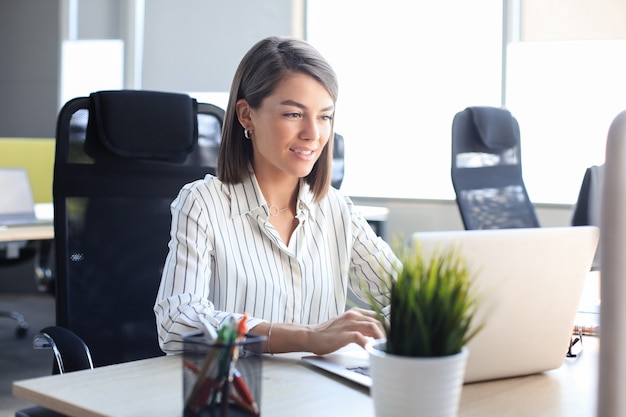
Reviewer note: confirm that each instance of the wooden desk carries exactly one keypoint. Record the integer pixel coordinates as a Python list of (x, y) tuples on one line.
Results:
[(153, 387), (31, 232), (40, 231), (376, 217)]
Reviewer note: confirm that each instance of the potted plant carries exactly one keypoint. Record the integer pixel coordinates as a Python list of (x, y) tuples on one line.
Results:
[(419, 368)]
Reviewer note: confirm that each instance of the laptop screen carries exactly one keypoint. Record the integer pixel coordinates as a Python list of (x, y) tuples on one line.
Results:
[(16, 197)]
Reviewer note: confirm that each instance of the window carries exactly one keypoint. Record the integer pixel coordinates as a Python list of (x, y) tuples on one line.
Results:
[(564, 95), (406, 68)]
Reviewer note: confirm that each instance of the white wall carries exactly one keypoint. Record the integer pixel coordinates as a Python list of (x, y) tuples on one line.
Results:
[(29, 60), (198, 47)]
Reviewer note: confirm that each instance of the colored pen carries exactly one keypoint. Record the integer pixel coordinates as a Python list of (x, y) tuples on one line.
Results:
[(242, 327), (243, 404), (242, 389)]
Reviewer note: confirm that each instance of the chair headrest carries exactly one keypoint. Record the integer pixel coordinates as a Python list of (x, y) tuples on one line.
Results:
[(496, 127), (145, 124)]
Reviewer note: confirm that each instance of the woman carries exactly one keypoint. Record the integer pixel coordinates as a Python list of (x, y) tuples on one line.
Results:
[(268, 236)]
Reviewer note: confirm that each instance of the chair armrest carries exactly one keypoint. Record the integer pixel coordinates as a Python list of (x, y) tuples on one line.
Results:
[(37, 412), (70, 351)]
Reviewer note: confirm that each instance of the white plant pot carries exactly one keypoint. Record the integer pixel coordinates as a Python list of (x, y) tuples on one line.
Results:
[(407, 386)]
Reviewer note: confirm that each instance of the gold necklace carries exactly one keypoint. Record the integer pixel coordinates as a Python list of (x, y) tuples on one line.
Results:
[(275, 211)]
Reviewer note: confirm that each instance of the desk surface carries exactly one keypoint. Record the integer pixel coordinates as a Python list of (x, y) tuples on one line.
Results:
[(290, 388), (31, 232), (40, 231), (374, 213)]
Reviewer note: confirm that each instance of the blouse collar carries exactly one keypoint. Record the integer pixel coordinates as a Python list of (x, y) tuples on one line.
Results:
[(246, 197)]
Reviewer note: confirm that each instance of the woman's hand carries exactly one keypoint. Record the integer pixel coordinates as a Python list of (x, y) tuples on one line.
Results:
[(356, 325)]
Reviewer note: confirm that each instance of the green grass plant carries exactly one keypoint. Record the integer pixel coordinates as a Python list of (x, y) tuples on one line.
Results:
[(432, 304)]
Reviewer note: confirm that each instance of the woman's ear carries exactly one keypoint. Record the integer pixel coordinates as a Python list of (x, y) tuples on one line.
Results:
[(243, 113)]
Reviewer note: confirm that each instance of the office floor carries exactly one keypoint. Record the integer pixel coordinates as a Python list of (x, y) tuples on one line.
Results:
[(18, 359)]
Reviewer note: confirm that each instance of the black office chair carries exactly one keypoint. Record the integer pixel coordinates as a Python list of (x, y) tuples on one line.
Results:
[(121, 159), (587, 209), (587, 206), (338, 161), (487, 170)]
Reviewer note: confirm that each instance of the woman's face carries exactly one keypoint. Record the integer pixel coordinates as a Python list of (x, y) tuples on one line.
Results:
[(291, 127)]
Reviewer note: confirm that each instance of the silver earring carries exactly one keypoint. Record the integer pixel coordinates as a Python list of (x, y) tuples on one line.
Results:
[(247, 133)]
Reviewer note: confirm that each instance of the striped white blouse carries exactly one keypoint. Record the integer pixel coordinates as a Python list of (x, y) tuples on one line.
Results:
[(226, 258)]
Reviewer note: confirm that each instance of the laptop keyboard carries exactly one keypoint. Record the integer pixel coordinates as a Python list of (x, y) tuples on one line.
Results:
[(363, 370)]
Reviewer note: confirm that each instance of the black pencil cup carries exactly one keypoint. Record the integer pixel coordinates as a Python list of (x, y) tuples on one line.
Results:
[(222, 380)]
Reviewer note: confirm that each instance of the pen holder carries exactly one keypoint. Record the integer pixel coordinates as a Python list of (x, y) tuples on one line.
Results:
[(221, 379)]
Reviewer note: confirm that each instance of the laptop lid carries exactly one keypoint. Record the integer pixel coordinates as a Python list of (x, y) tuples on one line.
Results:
[(17, 204), (530, 282)]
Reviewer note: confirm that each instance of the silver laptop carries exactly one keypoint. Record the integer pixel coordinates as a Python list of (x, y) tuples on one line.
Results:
[(17, 204), (530, 281)]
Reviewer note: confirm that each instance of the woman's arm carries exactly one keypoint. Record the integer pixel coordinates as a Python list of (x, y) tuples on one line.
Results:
[(354, 326), (372, 262)]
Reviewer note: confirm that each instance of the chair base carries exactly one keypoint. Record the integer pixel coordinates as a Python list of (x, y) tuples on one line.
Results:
[(22, 325)]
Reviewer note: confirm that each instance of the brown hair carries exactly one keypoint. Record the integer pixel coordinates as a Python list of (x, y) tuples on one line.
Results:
[(260, 71)]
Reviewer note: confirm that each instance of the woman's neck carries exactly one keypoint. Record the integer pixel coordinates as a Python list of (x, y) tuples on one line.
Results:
[(280, 192)]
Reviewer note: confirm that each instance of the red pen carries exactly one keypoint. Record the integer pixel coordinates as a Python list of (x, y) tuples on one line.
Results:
[(242, 389)]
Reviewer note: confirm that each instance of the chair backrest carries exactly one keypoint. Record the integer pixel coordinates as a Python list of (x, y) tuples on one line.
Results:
[(587, 207), (587, 210), (487, 170), (121, 159), (338, 161)]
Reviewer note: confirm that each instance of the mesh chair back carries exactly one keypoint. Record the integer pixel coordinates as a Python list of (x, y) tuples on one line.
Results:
[(487, 170), (121, 159)]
